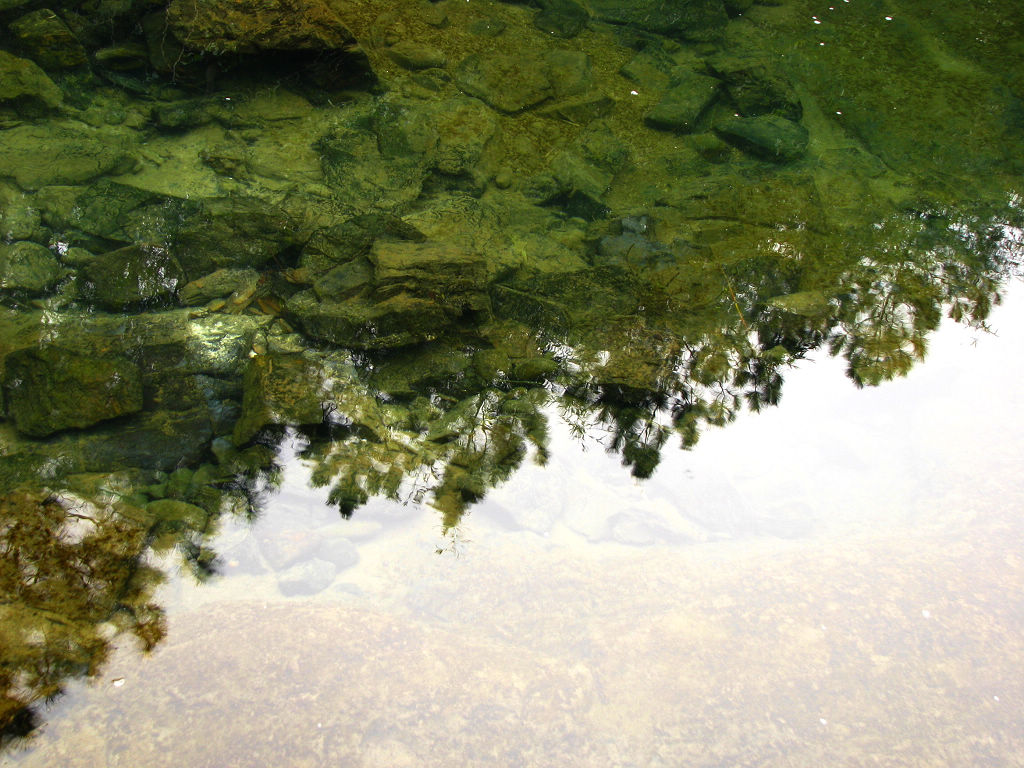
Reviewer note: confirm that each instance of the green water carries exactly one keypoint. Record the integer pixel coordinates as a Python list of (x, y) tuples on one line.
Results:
[(411, 247)]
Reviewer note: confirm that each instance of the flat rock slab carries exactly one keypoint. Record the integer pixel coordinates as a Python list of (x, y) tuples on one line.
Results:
[(689, 19), (23, 79), (768, 137), (250, 26), (51, 389), (507, 82), (684, 103), (28, 268), (66, 152)]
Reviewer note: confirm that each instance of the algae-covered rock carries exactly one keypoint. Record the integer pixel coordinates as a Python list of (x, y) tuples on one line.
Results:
[(23, 83), (50, 389), (281, 389), (345, 280), (360, 176), (217, 284), (561, 18), (414, 55), (684, 103), (366, 324), (448, 136), (233, 232), (64, 152), (162, 440), (769, 137), (46, 39), (177, 514), (131, 277), (688, 19), (304, 390), (450, 273), (122, 57), (28, 268), (251, 26), (20, 221), (580, 110), (756, 86), (508, 82)]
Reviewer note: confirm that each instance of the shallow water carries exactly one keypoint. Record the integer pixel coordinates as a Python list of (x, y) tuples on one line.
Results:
[(862, 604), (407, 383)]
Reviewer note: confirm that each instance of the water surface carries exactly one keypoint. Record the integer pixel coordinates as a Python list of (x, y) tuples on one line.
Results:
[(409, 383)]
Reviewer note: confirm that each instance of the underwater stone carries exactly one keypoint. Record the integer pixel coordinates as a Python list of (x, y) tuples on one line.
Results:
[(217, 284), (134, 276), (684, 103), (448, 272), (19, 221), (413, 55), (28, 267), (561, 18), (504, 81), (339, 551), (755, 87), (345, 280), (281, 389), (50, 389), (569, 73), (22, 81), (488, 27), (649, 69), (178, 514), (123, 57), (687, 19), (250, 26), (580, 111), (365, 324), (576, 176), (65, 152), (464, 127), (339, 243), (307, 578), (769, 137), (47, 40), (232, 232)]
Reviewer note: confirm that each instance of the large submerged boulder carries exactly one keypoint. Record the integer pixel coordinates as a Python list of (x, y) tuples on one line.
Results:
[(689, 19), (252, 26), (51, 389), (23, 83)]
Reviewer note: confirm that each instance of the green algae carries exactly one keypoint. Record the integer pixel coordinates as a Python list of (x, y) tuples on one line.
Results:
[(379, 229)]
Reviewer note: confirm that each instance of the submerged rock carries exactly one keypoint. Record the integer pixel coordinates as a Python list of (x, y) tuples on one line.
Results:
[(223, 282), (684, 103), (414, 55), (365, 324), (688, 19), (51, 389), (23, 83), (28, 268), (561, 18), (509, 83), (65, 152), (769, 137), (139, 275), (307, 578), (251, 26), (756, 87), (46, 39)]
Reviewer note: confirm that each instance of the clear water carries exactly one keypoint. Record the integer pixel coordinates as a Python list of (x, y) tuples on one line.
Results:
[(410, 384)]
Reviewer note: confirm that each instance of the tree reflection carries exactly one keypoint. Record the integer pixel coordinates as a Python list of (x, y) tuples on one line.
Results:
[(71, 577)]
